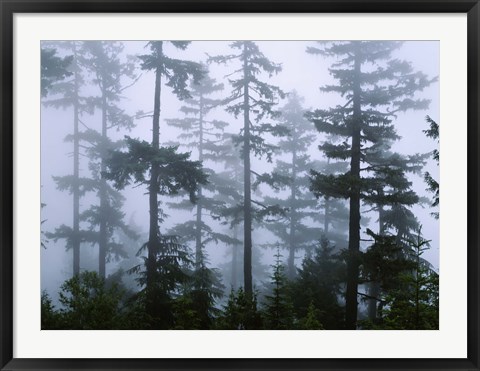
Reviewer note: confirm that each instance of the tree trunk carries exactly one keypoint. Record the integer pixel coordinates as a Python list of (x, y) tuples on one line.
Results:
[(293, 218), (354, 225), (103, 241), (417, 290), (374, 287), (326, 221), (153, 238), (198, 224), (234, 258), (247, 207), (374, 292), (76, 172)]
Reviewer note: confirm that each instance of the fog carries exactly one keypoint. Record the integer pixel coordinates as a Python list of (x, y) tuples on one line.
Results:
[(301, 72)]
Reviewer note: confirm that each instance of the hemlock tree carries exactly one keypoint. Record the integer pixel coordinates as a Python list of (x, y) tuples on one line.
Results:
[(65, 94), (375, 87), (229, 184), (164, 171), (207, 136), (382, 265), (196, 307), (316, 289), (53, 69), (278, 311), (240, 312), (292, 230), (389, 193), (103, 60), (414, 303), (255, 100)]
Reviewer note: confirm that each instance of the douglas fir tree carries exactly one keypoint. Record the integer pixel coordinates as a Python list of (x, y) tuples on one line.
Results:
[(375, 87), (255, 100), (165, 172), (207, 136), (292, 230), (103, 60), (68, 93)]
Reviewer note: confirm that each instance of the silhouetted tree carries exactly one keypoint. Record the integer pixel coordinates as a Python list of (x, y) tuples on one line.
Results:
[(255, 99), (278, 310), (318, 284), (240, 312), (162, 169), (65, 94), (292, 230), (207, 137), (373, 96), (103, 61)]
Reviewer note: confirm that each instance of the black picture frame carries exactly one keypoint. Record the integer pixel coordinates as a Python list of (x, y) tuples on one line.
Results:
[(9, 7)]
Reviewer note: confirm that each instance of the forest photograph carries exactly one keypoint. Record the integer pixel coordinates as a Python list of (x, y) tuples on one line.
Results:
[(239, 185)]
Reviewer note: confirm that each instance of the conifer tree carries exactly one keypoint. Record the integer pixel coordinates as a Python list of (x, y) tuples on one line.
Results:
[(196, 308), (53, 69), (278, 310), (89, 304), (292, 230), (165, 172), (229, 184), (206, 136), (389, 193), (68, 93), (255, 100), (413, 302), (375, 88), (318, 285), (240, 312), (103, 60)]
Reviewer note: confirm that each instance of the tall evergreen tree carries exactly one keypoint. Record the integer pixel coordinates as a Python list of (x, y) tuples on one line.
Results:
[(375, 87), (293, 231), (229, 184), (255, 100), (110, 74), (65, 94), (205, 135), (169, 172), (53, 69)]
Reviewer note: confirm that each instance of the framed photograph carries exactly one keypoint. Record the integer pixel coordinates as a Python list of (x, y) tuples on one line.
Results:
[(233, 185)]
